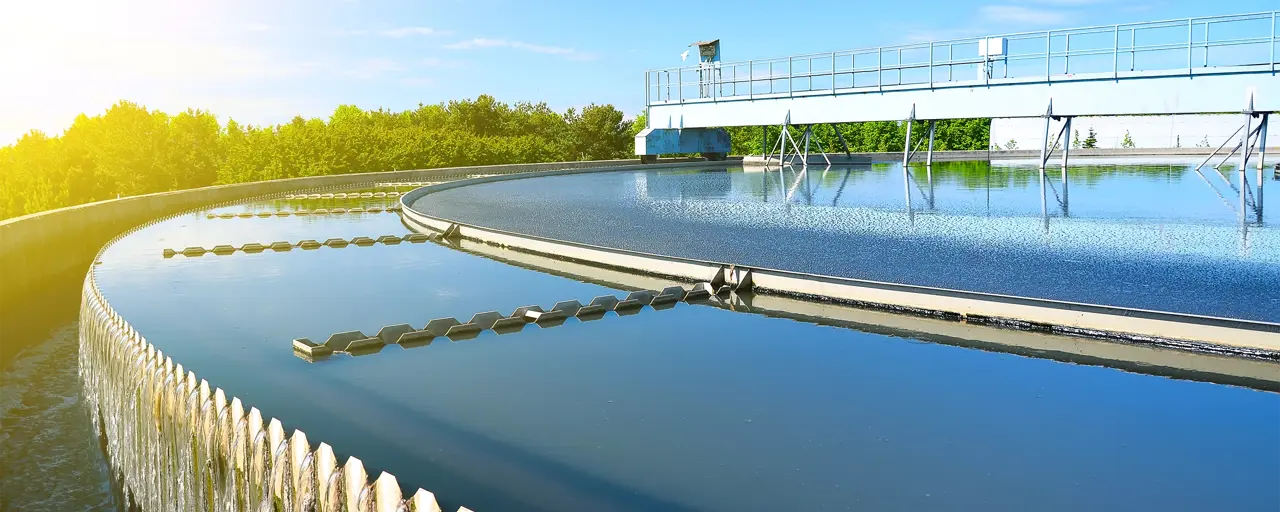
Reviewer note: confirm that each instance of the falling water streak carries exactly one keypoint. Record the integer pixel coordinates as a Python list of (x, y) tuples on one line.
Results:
[(175, 443)]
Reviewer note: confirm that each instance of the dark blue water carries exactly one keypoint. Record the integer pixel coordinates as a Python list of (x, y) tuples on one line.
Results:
[(693, 408), (1143, 236)]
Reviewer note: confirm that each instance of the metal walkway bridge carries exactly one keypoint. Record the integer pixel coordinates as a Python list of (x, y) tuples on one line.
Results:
[(1192, 65), (1215, 64)]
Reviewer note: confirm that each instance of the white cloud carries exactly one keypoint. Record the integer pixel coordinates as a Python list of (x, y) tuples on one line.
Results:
[(1017, 14), (475, 43), (415, 31)]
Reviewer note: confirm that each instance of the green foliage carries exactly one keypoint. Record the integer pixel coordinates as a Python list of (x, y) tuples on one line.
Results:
[(1075, 139), (1128, 141), (871, 137), (130, 150), (1091, 141)]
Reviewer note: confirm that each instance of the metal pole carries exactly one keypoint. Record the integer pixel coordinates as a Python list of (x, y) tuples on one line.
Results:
[(1048, 53), (1206, 44), (1190, 40), (751, 81), (1244, 157), (880, 68), (833, 73), (789, 76), (906, 148), (1044, 144), (840, 135), (680, 85), (930, 64), (1066, 57), (928, 159), (1220, 146), (1066, 150), (1115, 55), (808, 134), (764, 143), (1262, 156)]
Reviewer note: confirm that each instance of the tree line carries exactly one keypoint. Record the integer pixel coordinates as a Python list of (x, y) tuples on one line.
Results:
[(131, 150)]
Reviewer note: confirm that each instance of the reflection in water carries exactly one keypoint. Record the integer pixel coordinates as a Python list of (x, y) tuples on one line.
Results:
[(624, 415), (1148, 236)]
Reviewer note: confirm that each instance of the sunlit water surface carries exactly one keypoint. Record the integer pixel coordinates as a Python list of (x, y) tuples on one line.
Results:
[(693, 408)]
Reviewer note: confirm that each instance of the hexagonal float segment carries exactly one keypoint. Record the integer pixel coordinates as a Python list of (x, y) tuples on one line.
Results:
[(388, 239), (363, 241), (310, 348), (194, 251), (634, 301), (417, 238), (700, 291), (309, 244), (669, 294), (253, 247), (527, 313), (486, 319), (597, 308), (281, 246), (222, 250), (391, 334), (415, 339), (336, 242), (340, 341), (441, 326)]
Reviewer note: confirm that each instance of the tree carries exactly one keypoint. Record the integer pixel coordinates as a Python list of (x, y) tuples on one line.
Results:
[(1075, 139), (599, 133), (1091, 141), (1128, 141), (1012, 144)]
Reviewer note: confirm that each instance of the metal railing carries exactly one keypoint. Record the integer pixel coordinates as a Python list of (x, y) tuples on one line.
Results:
[(1244, 43)]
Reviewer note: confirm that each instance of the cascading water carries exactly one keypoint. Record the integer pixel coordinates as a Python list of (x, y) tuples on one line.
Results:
[(176, 443)]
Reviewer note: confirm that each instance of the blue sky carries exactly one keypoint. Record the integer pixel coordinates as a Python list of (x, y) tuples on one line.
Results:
[(264, 62)]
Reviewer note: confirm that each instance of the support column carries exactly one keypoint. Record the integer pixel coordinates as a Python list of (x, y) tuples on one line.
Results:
[(808, 134), (764, 144), (843, 145), (928, 159), (906, 148), (1244, 159), (1262, 161), (1066, 151), (1044, 156)]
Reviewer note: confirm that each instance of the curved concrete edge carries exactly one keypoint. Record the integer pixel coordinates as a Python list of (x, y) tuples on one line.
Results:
[(1233, 336), (1132, 357), (114, 358), (39, 247)]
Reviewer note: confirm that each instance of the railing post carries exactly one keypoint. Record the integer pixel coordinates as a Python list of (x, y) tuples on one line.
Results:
[(899, 65), (833, 73), (1206, 43), (680, 84), (930, 64), (1190, 40), (1273, 41), (789, 76), (751, 79), (1115, 55), (1048, 53), (880, 68), (1066, 57)]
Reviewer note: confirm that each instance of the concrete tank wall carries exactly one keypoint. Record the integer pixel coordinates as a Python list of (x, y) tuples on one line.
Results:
[(175, 442), (1186, 131), (35, 247)]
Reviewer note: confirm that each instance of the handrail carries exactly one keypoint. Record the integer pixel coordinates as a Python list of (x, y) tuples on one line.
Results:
[(920, 64)]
